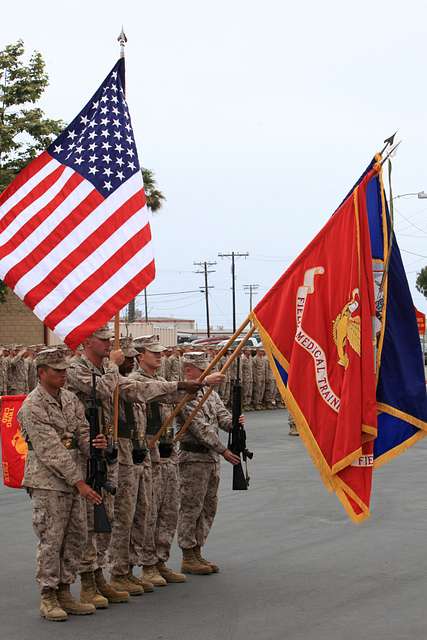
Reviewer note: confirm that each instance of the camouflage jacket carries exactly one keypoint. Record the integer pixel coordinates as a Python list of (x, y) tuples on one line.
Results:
[(166, 402), (138, 389), (204, 428), (58, 433), (259, 369), (17, 376), (3, 375), (174, 366), (246, 369)]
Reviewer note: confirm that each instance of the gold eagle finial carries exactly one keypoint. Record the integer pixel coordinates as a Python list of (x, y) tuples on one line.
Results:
[(345, 328)]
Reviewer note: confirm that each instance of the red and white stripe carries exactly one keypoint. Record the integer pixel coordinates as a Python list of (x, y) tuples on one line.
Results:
[(74, 257)]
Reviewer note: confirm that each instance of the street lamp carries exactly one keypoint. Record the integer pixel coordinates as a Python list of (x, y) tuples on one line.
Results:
[(421, 195)]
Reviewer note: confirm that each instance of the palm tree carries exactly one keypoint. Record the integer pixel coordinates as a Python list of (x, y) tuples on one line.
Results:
[(154, 196)]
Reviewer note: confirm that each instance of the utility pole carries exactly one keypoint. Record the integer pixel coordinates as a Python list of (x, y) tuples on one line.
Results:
[(146, 304), (233, 255), (251, 289), (205, 270)]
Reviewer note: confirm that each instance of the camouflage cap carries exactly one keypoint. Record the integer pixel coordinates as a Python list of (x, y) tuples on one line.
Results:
[(54, 358), (127, 346), (150, 343), (198, 359), (103, 333)]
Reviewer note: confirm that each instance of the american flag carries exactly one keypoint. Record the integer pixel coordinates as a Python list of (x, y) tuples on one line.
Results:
[(75, 241)]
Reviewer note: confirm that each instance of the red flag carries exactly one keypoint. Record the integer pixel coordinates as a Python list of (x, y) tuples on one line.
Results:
[(13, 446), (316, 324)]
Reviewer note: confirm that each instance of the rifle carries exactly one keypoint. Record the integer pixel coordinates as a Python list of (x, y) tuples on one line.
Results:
[(97, 465), (237, 437)]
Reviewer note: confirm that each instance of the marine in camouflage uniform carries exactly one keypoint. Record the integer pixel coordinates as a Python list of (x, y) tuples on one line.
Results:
[(270, 386), (199, 468), (53, 423), (31, 368), (4, 362), (174, 365), (17, 379), (132, 490), (259, 371), (247, 378)]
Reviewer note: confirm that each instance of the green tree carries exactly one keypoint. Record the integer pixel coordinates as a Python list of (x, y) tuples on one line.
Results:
[(24, 130), (154, 196), (421, 282)]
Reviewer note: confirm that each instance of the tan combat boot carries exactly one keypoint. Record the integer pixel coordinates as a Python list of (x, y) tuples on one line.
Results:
[(169, 575), (151, 573), (190, 564), (198, 554), (88, 592), (122, 583), (50, 607), (70, 605), (293, 431), (109, 592), (145, 584)]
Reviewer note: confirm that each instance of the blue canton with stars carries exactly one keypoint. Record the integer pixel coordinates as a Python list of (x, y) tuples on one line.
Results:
[(99, 143)]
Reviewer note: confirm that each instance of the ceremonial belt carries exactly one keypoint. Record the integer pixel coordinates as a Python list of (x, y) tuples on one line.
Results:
[(69, 443), (194, 448)]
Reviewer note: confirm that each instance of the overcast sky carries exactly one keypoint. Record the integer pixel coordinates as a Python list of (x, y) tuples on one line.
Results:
[(256, 117)]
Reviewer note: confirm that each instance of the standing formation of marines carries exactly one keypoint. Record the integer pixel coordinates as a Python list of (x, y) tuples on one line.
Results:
[(159, 488)]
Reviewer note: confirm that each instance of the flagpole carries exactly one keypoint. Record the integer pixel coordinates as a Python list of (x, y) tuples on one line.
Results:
[(122, 41)]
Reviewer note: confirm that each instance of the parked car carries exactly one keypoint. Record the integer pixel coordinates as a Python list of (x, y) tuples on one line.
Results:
[(251, 343)]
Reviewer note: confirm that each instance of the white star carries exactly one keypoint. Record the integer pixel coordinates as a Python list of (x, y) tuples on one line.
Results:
[(106, 159), (104, 133), (92, 135), (120, 175), (93, 170), (107, 172), (79, 149), (93, 124), (107, 185), (104, 110), (119, 148), (81, 138), (105, 121), (71, 146), (130, 152), (70, 154), (120, 162), (114, 99), (129, 139), (127, 126), (116, 122), (126, 115), (93, 158), (114, 74), (58, 148), (106, 145), (71, 135), (118, 135), (95, 105), (84, 120), (115, 111), (92, 146), (113, 88), (131, 166), (104, 99), (78, 161)]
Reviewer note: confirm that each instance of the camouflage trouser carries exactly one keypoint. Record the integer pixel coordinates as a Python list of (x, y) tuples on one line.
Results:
[(59, 522), (142, 510), (163, 513), (269, 391), (167, 510), (199, 482), (247, 389), (130, 479), (258, 391), (95, 555)]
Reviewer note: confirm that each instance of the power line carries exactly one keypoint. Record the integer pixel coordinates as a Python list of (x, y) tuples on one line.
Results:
[(233, 255), (206, 288), (250, 290)]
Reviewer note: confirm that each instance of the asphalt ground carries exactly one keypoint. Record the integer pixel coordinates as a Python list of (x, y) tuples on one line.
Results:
[(292, 565)]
